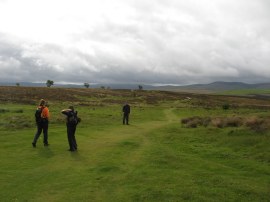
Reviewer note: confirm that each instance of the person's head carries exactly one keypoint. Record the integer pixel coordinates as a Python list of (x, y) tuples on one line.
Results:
[(42, 102), (71, 107)]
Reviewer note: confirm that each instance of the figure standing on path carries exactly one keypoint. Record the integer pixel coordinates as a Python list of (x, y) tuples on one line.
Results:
[(71, 123), (126, 112), (42, 121)]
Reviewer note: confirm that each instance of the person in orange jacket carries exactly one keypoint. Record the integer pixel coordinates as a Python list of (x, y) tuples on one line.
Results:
[(42, 121)]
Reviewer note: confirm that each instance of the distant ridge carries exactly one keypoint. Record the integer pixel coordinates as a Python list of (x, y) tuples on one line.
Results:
[(111, 86), (219, 86), (211, 87)]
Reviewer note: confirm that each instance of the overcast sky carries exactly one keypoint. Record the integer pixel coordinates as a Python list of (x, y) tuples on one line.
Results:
[(135, 41)]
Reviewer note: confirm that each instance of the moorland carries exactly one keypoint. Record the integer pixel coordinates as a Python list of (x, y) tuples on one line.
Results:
[(179, 146)]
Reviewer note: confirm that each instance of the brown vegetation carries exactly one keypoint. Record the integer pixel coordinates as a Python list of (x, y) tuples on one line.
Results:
[(87, 96), (257, 124)]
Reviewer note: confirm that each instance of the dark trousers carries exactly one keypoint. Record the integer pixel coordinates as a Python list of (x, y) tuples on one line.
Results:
[(71, 137), (43, 126), (125, 118)]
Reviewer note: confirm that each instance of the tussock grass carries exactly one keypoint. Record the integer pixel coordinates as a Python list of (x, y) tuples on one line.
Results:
[(257, 124), (4, 110), (219, 122)]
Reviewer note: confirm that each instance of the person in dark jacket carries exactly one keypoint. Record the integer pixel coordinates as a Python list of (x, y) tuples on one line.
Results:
[(42, 122), (71, 123), (126, 112)]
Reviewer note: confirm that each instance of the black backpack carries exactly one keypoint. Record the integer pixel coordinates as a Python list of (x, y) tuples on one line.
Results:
[(73, 118), (38, 114)]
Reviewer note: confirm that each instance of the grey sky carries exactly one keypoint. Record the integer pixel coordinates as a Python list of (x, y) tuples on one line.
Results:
[(120, 41)]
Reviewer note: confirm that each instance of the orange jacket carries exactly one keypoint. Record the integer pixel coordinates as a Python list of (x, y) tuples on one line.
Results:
[(45, 113)]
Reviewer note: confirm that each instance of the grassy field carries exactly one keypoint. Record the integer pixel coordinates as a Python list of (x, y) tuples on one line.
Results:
[(248, 92), (155, 158)]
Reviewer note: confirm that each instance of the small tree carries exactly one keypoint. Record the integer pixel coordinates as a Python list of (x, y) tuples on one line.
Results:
[(17, 84), (225, 106), (140, 87), (49, 83), (86, 85)]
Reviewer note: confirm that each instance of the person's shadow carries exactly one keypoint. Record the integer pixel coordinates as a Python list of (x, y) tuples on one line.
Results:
[(46, 152)]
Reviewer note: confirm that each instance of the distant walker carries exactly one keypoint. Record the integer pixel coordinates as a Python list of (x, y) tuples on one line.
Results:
[(126, 112)]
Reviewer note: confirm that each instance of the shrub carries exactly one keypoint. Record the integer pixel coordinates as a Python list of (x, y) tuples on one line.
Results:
[(225, 106), (4, 110), (206, 121), (19, 111), (185, 120), (234, 121), (193, 122), (18, 122), (217, 122), (257, 124)]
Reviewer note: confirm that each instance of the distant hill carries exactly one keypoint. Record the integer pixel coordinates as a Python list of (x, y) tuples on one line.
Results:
[(208, 88), (112, 86), (218, 86)]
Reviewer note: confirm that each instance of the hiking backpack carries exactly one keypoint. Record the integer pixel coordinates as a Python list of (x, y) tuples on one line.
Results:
[(73, 118), (38, 114)]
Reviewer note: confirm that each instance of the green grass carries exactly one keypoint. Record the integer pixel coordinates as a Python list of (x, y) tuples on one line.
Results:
[(247, 92), (153, 159)]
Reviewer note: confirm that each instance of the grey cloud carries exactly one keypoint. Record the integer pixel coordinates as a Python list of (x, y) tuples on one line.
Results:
[(174, 42)]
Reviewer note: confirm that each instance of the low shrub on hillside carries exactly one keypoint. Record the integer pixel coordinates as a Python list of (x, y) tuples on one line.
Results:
[(4, 110), (19, 111), (225, 106), (256, 124), (194, 122), (221, 122), (217, 122), (234, 121), (18, 122), (259, 125)]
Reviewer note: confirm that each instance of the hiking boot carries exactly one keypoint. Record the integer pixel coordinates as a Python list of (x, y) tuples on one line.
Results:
[(33, 144)]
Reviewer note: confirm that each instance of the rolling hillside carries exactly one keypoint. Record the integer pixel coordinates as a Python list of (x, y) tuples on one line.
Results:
[(201, 88), (218, 86)]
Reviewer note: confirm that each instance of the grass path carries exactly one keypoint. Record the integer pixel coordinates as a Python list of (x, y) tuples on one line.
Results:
[(117, 156), (133, 136)]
